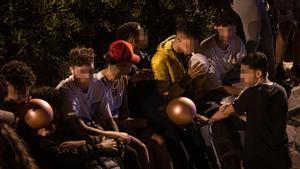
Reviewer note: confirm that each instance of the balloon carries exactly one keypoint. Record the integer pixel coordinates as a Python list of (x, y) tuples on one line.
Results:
[(197, 57), (39, 113), (181, 111)]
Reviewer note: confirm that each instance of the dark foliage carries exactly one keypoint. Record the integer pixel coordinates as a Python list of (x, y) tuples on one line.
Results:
[(41, 32)]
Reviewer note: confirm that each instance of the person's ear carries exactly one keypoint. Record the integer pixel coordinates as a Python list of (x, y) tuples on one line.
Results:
[(259, 73), (71, 70)]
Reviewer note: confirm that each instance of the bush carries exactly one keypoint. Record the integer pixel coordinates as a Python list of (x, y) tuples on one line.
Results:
[(41, 32)]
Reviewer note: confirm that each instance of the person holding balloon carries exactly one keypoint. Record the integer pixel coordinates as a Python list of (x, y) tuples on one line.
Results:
[(265, 105), (174, 77)]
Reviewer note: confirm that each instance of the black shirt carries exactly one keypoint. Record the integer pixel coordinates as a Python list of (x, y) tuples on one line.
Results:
[(266, 139)]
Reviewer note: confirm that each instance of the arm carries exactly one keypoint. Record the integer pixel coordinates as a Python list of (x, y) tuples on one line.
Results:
[(124, 110), (70, 115), (7, 117), (169, 83), (125, 121), (111, 124), (89, 148), (232, 90), (166, 88), (84, 130), (223, 112)]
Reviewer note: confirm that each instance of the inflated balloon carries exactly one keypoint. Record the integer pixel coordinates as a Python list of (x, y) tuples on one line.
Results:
[(181, 111), (199, 58), (39, 113)]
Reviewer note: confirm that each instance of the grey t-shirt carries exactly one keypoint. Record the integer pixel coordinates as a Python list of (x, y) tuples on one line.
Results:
[(80, 104), (114, 93), (221, 61)]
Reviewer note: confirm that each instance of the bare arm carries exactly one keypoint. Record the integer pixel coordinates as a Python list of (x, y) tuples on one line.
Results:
[(232, 90), (7, 117), (223, 112), (111, 124), (84, 129)]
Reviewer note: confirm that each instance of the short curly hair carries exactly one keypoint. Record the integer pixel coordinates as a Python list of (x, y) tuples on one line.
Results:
[(18, 74), (81, 56)]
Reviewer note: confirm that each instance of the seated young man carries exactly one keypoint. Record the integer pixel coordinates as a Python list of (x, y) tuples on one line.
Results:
[(140, 83), (173, 78), (224, 51), (83, 99), (172, 74), (265, 106), (61, 147), (113, 80)]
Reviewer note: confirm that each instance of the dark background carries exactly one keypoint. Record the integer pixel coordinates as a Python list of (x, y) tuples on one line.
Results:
[(41, 32)]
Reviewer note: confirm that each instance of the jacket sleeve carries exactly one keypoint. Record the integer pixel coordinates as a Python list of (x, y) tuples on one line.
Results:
[(163, 77)]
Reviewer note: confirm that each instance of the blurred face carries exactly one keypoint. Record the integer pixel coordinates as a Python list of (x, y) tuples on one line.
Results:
[(82, 74), (186, 44), (225, 33), (17, 94), (141, 39), (249, 76), (121, 68)]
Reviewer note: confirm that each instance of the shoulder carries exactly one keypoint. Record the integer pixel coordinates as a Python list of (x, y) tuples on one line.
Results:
[(164, 49), (208, 42), (98, 81), (66, 83), (280, 89)]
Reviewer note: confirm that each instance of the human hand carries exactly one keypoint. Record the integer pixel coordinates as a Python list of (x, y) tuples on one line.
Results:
[(46, 131), (243, 118), (108, 145), (197, 69), (70, 145), (144, 74), (123, 137)]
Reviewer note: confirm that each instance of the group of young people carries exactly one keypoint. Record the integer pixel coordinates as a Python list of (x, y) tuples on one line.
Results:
[(115, 117)]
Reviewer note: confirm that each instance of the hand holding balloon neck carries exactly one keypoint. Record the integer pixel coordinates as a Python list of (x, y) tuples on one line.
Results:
[(201, 119), (182, 111)]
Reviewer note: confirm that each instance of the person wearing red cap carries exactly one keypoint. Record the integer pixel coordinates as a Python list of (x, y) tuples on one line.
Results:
[(141, 84), (113, 82)]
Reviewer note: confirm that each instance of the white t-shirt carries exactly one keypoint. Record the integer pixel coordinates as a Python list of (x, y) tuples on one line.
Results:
[(114, 93), (84, 105), (221, 61)]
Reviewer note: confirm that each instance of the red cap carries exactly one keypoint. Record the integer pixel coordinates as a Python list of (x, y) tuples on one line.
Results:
[(121, 50)]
